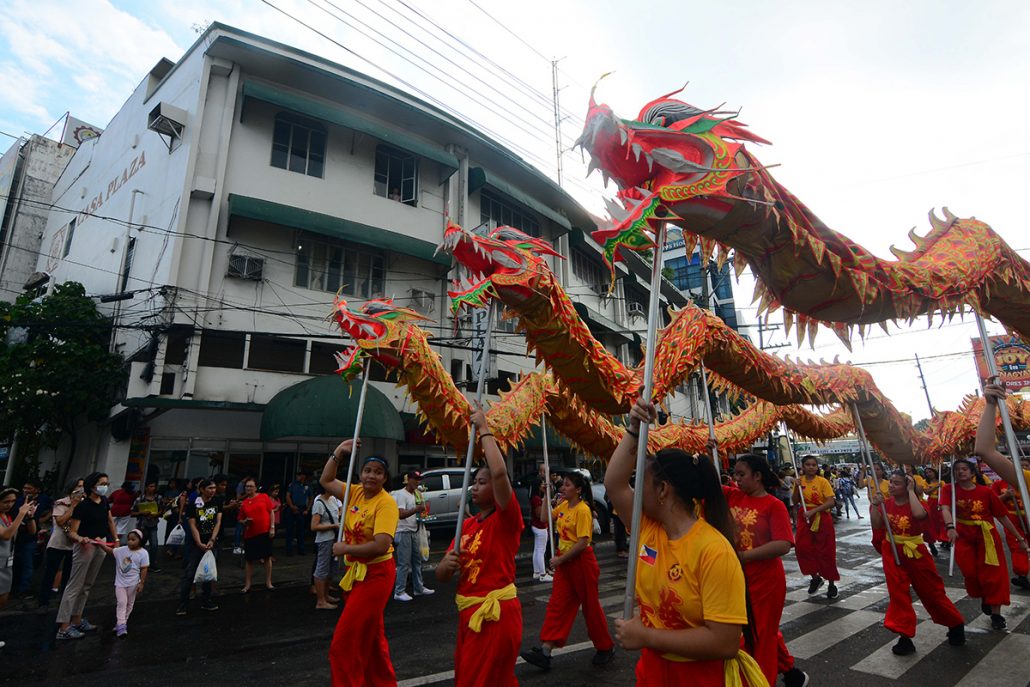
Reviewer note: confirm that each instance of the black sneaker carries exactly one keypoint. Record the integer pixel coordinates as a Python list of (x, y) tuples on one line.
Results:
[(209, 605), (181, 610), (814, 585), (537, 657), (903, 647), (1021, 581), (998, 622), (831, 591), (795, 678), (603, 657), (957, 635), (946, 545), (985, 608), (933, 550)]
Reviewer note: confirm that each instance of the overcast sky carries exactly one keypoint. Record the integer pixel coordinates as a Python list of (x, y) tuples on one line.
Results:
[(878, 111)]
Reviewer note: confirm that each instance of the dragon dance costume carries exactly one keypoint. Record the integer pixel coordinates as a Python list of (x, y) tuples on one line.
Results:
[(816, 542), (978, 548)]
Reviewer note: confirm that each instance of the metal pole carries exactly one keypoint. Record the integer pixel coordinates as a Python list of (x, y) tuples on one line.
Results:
[(872, 476), (480, 384), (797, 471), (1006, 421), (926, 389), (638, 491), (954, 500), (547, 486), (557, 117), (354, 446), (710, 416)]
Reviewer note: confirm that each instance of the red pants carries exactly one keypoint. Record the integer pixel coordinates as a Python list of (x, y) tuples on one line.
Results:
[(919, 574), (817, 551), (654, 671), (766, 586), (487, 658), (575, 585), (934, 530), (784, 661), (989, 583), (1020, 562), (359, 655)]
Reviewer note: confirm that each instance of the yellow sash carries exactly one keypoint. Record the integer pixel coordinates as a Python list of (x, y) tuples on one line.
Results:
[(813, 524), (489, 605), (732, 668), (990, 553), (356, 571), (910, 545)]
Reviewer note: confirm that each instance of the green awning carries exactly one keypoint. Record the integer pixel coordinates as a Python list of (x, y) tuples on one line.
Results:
[(337, 114), (597, 319), (325, 408), (337, 227), (479, 177)]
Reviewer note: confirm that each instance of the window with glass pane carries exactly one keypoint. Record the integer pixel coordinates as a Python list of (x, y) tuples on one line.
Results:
[(498, 211), (396, 175), (298, 144), (587, 270), (330, 265)]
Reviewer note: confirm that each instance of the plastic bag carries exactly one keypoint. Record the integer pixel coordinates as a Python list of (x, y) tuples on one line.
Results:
[(207, 570), (176, 537), (423, 542), (597, 526)]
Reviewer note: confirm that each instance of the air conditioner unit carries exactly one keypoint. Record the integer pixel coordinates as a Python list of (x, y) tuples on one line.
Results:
[(423, 300), (245, 267), (635, 309)]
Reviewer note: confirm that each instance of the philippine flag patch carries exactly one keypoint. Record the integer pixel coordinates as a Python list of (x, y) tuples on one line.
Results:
[(648, 555)]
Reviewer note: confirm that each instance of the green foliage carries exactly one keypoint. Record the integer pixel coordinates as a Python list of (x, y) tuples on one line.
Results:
[(55, 365), (923, 425)]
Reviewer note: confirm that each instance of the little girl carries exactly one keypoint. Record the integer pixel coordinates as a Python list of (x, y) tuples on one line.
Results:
[(130, 572)]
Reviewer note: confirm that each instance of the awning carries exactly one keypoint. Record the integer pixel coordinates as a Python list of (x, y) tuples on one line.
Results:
[(323, 407), (479, 177), (337, 114), (188, 404), (598, 320), (337, 227)]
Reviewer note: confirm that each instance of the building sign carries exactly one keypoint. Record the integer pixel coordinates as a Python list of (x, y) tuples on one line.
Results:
[(137, 455), (77, 131), (1012, 358), (115, 185)]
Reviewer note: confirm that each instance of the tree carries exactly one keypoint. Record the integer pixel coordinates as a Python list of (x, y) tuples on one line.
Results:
[(55, 366), (923, 425)]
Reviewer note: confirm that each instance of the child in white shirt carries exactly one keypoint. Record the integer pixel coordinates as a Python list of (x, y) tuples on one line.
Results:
[(130, 572)]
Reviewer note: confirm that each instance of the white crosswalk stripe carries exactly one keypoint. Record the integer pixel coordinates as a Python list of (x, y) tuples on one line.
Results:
[(1004, 666), (826, 636)]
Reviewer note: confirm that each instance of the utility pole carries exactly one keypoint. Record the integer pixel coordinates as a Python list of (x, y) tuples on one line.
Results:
[(557, 116), (926, 390)]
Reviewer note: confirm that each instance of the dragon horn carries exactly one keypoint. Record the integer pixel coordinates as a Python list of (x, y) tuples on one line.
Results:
[(594, 87)]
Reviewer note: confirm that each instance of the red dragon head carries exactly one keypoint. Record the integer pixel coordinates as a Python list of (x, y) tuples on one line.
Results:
[(376, 330)]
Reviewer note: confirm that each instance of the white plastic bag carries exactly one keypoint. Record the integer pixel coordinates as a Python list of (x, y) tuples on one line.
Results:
[(176, 537), (597, 526), (423, 542), (207, 571)]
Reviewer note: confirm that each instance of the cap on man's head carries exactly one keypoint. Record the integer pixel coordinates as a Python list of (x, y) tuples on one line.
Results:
[(414, 474)]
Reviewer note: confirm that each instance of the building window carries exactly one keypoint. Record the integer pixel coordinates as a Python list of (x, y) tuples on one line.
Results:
[(327, 265), (497, 213), (298, 144), (276, 353), (396, 175), (589, 272), (323, 357), (221, 349), (687, 274), (68, 239)]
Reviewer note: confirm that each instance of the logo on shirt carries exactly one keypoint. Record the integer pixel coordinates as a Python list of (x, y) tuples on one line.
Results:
[(675, 572), (648, 555)]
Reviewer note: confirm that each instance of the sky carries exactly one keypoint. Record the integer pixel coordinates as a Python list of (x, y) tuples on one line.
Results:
[(877, 111)]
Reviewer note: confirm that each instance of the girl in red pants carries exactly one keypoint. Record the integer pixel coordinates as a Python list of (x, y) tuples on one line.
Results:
[(575, 579), (977, 545), (1017, 511), (907, 518), (763, 535), (489, 614), (359, 655), (816, 541), (934, 531)]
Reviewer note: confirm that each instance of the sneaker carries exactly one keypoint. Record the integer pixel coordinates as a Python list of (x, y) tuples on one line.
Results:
[(795, 678), (121, 630), (237, 550), (998, 622), (814, 585), (537, 657), (70, 633), (957, 635), (831, 591), (85, 626), (602, 658), (903, 647), (426, 591), (545, 578), (181, 610), (985, 608), (1021, 581), (209, 605), (933, 550), (403, 596)]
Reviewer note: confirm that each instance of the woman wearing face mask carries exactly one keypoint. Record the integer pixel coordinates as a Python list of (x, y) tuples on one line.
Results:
[(907, 517), (91, 527), (359, 654), (816, 542), (763, 536), (575, 579), (977, 544), (489, 614)]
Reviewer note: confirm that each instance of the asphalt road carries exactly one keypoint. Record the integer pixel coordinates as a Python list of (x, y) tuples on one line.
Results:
[(278, 638)]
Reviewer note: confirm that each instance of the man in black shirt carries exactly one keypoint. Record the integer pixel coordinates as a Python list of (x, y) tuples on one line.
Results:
[(203, 523)]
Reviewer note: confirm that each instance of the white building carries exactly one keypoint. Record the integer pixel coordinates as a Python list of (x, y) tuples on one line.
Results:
[(233, 194)]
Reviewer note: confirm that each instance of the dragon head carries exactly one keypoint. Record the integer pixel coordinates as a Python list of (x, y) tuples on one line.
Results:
[(376, 328), (501, 257)]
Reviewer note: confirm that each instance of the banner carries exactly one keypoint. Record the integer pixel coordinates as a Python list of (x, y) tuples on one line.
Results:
[(76, 131), (1011, 355)]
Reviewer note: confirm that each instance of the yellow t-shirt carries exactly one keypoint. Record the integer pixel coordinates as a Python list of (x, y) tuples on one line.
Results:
[(572, 524), (870, 481), (368, 517), (816, 491), (932, 489), (683, 583), (921, 483)]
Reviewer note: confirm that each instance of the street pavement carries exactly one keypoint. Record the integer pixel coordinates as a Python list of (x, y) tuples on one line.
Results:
[(277, 637)]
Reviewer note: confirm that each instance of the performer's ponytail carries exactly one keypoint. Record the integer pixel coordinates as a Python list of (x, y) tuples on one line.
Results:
[(696, 481)]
